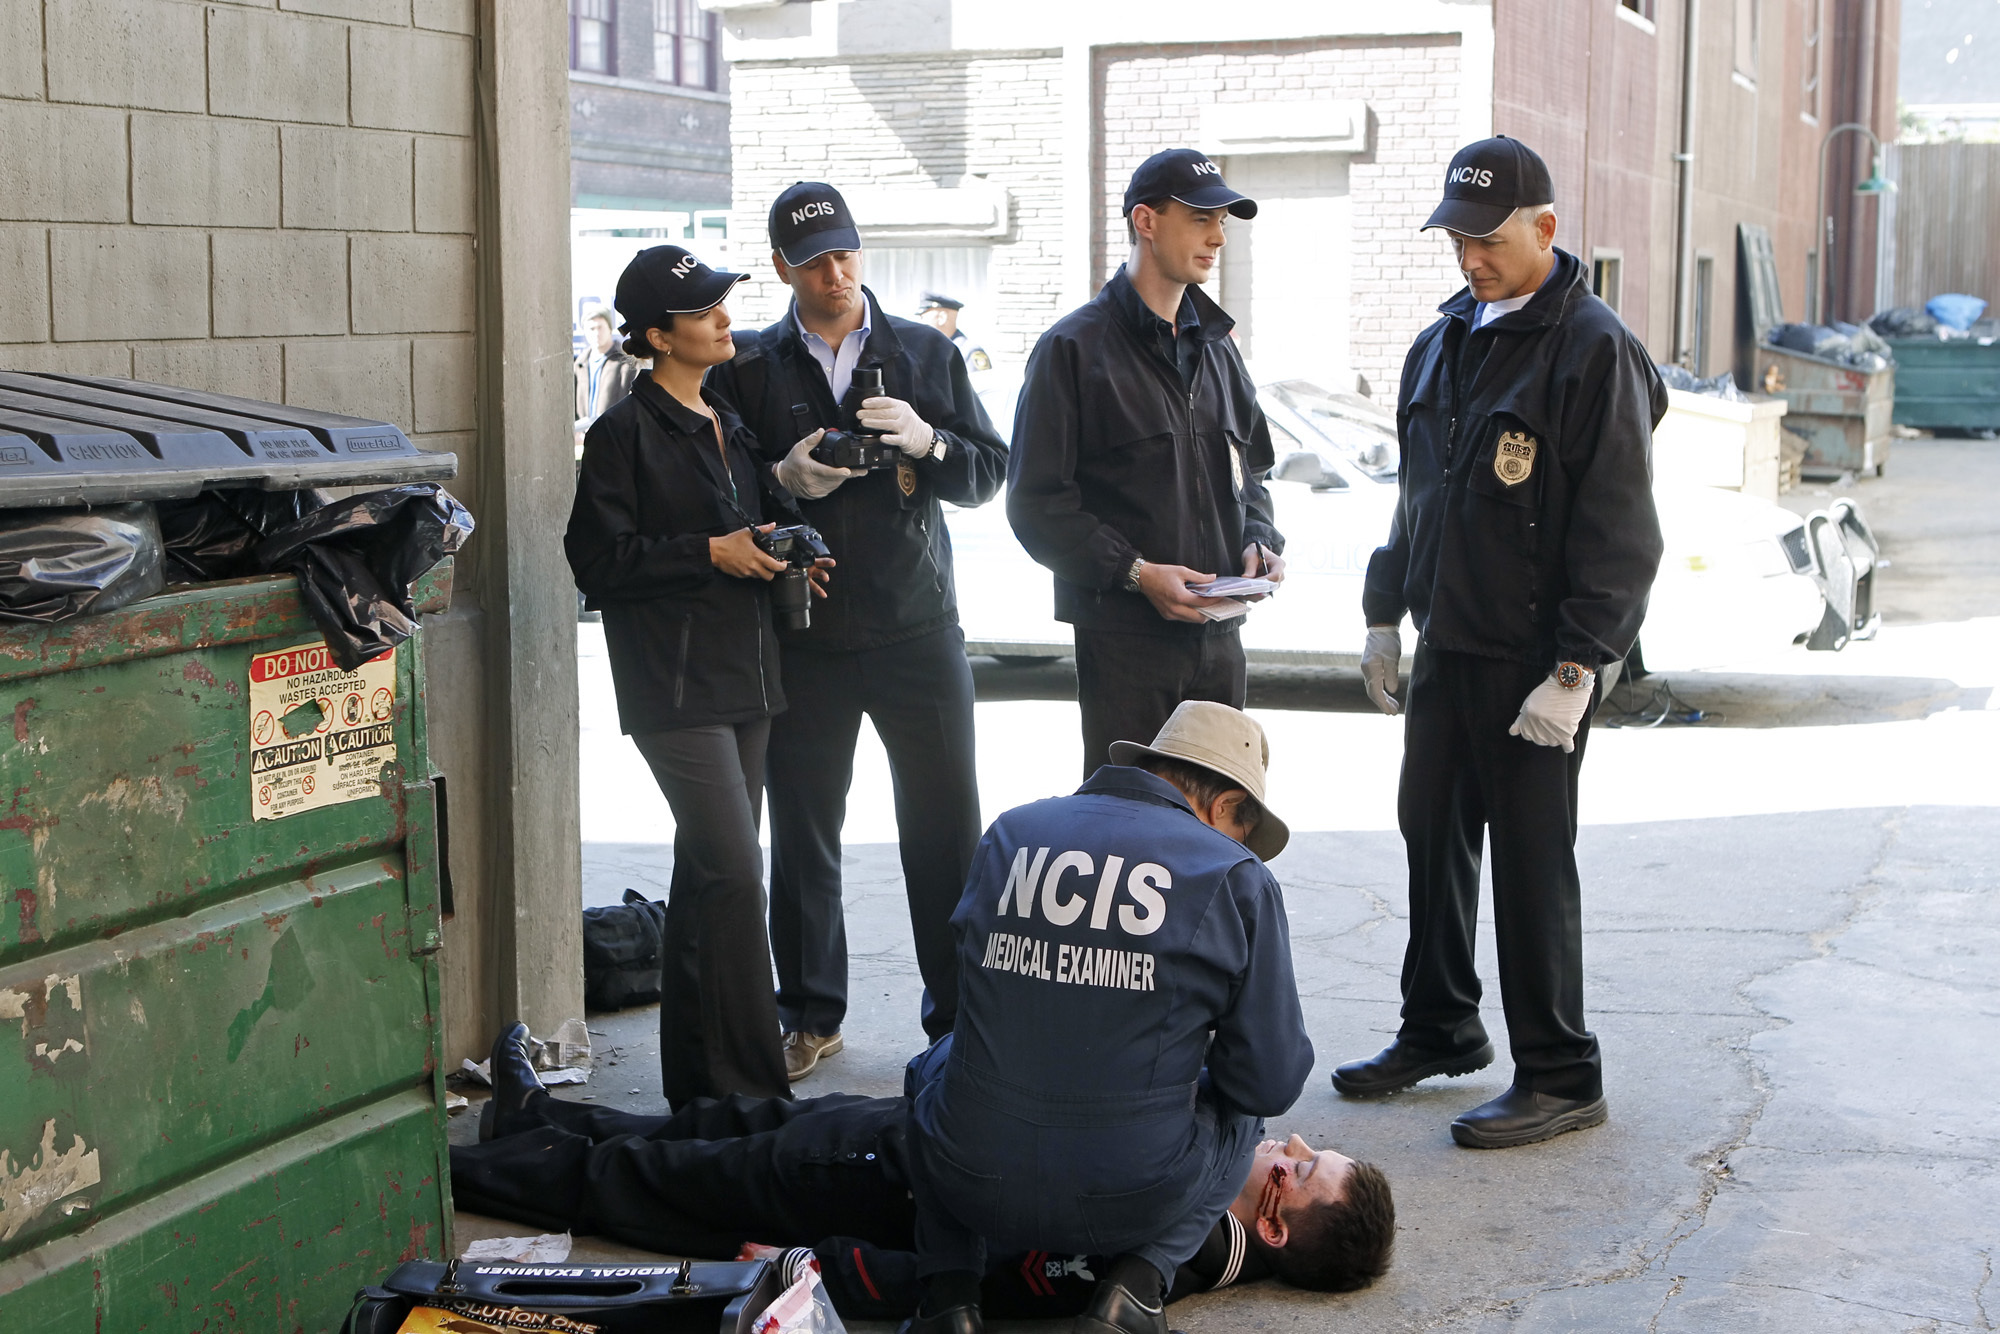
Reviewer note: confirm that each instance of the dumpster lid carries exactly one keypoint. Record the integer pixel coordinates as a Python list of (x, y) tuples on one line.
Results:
[(86, 440)]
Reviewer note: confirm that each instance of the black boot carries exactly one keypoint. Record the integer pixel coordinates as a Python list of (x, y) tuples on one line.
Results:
[(1399, 1065), (1129, 1300), (1521, 1116), (517, 1089), (950, 1306)]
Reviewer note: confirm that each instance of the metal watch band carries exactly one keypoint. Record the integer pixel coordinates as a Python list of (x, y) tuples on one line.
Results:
[(1132, 574)]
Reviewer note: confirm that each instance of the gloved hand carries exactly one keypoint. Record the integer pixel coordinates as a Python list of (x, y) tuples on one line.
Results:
[(1551, 712), (1382, 666), (906, 430), (805, 476)]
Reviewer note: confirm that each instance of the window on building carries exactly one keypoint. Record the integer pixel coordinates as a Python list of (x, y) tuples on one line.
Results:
[(1607, 277), (683, 44), (1815, 31), (591, 36), (1704, 308), (1643, 8), (1746, 37)]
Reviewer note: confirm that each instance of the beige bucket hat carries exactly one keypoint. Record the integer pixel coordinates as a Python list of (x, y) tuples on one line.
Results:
[(1227, 741)]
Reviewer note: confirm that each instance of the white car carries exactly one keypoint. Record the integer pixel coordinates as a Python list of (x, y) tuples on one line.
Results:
[(1739, 576)]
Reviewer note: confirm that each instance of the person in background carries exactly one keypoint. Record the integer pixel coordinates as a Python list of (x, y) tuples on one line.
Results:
[(887, 645), (604, 372), (1523, 545), (941, 313), (671, 493), (1137, 466)]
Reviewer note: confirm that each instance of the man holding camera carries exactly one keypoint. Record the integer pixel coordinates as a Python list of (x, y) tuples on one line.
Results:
[(888, 645), (1135, 476)]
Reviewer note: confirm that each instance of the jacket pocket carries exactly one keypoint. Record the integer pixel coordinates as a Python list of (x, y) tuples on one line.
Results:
[(681, 660), (1511, 462), (1117, 1223)]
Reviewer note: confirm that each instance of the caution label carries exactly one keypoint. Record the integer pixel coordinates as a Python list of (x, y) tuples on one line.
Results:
[(318, 735)]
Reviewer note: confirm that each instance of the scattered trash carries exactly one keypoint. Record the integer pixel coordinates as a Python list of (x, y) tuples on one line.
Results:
[(1851, 345), (57, 564), (550, 1248), (1955, 310), (480, 1073), (562, 1059), (215, 535), (356, 559), (1721, 386), (621, 952), (454, 1103)]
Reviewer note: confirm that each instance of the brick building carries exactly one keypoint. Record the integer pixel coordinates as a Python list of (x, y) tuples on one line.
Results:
[(349, 205), (985, 149), (649, 107)]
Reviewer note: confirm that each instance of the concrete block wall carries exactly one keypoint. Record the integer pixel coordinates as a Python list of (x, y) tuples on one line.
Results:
[(1150, 97), (909, 122), (269, 199)]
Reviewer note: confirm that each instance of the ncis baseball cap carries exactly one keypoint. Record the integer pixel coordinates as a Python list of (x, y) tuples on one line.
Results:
[(666, 280), (809, 219), (1186, 175), (1486, 182)]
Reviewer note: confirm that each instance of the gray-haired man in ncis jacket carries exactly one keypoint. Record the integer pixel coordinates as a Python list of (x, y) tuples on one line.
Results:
[(1523, 547)]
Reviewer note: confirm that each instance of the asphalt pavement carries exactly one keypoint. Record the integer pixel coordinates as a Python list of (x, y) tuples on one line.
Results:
[(1786, 908)]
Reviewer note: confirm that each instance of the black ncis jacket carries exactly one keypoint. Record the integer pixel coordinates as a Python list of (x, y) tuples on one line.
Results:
[(690, 646), (895, 579), (1115, 457), (1525, 529)]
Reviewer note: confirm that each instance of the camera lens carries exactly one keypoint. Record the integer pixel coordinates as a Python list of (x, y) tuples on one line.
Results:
[(791, 599)]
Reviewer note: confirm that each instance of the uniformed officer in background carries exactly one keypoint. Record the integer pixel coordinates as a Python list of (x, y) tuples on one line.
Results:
[(941, 313), (1523, 546), (1139, 452), (1127, 1016), (889, 645)]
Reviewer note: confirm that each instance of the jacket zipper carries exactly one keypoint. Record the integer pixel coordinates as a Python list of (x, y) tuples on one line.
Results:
[(937, 571), (681, 673), (763, 689)]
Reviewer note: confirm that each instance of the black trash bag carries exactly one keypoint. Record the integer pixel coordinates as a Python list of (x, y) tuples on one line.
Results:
[(59, 564), (1715, 386), (1903, 322), (215, 535), (1815, 340), (357, 558), (621, 953)]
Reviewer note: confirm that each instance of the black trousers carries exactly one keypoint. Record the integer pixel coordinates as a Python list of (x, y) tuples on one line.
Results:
[(718, 1017), (1465, 780), (715, 1174), (919, 695), (1127, 685)]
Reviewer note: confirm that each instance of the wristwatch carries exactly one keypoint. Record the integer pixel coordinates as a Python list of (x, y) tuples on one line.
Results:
[(1571, 675), (1131, 582)]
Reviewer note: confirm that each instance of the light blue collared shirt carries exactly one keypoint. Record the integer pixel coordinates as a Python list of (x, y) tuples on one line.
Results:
[(839, 366)]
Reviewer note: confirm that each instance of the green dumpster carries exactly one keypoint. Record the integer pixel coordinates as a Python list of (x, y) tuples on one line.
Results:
[(220, 1095), (221, 1106), (1947, 384)]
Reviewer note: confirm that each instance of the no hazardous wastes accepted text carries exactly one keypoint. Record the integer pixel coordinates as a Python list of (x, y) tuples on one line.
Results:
[(319, 736)]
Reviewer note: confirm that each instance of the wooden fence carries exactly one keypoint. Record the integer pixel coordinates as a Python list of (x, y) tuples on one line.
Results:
[(1945, 236)]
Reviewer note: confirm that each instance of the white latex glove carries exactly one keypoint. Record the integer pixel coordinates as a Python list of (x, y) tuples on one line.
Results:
[(1382, 666), (905, 429), (805, 476), (1551, 712)]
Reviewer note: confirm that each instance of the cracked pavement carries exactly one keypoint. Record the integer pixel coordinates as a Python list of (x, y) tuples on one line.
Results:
[(1789, 922)]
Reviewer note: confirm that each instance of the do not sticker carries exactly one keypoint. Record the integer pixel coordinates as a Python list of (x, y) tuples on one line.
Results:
[(319, 735)]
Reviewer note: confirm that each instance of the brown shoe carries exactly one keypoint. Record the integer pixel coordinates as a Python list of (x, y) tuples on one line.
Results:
[(803, 1050)]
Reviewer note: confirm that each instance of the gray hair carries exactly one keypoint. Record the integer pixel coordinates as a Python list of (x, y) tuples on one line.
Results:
[(1530, 214)]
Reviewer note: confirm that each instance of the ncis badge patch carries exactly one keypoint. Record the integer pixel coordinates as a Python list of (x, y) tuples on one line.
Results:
[(906, 477), (1514, 457)]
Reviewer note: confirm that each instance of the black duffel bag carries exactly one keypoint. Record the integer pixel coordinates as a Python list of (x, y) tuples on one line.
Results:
[(621, 953), (662, 1297)]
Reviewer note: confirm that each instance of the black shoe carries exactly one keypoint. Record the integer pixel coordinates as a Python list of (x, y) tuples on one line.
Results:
[(1399, 1065), (1114, 1310), (1519, 1116), (952, 1320), (516, 1087)]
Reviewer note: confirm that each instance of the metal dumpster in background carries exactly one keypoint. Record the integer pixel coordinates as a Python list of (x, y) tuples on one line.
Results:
[(1951, 385), (1842, 414), (220, 1094)]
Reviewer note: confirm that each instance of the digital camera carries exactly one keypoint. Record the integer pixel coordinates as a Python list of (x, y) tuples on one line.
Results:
[(855, 445), (799, 545)]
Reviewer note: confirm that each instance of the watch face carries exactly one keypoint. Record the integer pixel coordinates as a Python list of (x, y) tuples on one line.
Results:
[(1569, 675)]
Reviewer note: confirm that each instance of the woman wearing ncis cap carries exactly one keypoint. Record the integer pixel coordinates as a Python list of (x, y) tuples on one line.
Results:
[(661, 540)]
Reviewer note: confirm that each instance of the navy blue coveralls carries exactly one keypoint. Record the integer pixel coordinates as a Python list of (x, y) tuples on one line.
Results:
[(1110, 946)]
